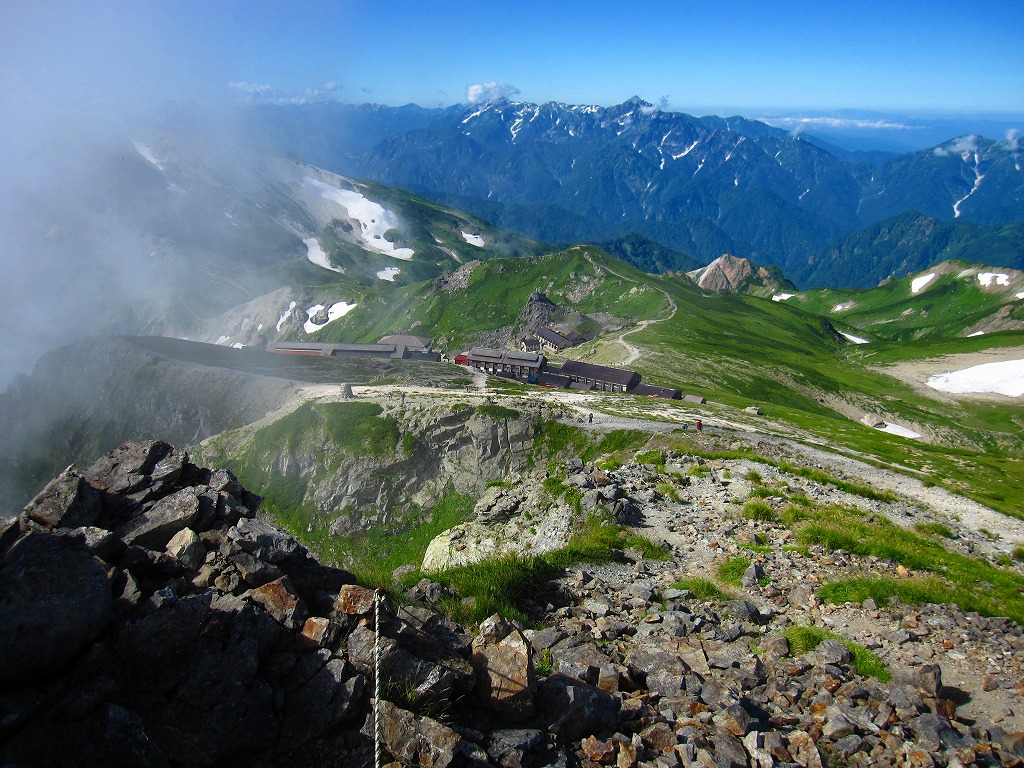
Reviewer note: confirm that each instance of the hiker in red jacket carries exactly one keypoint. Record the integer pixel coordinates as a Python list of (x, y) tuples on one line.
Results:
[(700, 426)]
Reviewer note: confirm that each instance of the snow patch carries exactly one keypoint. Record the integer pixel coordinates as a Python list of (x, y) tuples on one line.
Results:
[(1020, 295), (854, 339), (986, 278), (896, 429), (315, 253), (223, 339), (388, 273), (918, 284), (147, 153), (976, 333), (1005, 378), (782, 296), (843, 307), (473, 239), (284, 316), (237, 345), (340, 309), (374, 220)]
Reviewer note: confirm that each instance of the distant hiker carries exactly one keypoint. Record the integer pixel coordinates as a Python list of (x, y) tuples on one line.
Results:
[(403, 398), (700, 426), (590, 419)]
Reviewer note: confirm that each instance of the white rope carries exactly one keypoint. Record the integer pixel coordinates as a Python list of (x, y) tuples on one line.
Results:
[(378, 750)]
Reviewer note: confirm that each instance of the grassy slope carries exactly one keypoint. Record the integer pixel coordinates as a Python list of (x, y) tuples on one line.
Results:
[(741, 350), (946, 307)]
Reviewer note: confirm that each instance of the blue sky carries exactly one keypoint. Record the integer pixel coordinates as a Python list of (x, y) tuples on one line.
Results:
[(749, 55), (752, 54)]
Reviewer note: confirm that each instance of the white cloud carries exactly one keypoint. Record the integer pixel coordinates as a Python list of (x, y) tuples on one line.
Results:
[(251, 89), (481, 93), (650, 109), (1012, 140), (800, 124), (962, 145), (268, 94)]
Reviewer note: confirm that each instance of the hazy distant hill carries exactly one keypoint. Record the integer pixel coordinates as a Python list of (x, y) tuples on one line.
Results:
[(701, 186), (908, 243)]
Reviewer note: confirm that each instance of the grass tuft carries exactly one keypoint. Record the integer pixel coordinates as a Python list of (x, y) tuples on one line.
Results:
[(702, 589), (731, 571), (759, 510), (865, 662)]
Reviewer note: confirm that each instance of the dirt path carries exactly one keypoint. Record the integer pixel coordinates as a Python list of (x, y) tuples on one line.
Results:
[(632, 351), (970, 514)]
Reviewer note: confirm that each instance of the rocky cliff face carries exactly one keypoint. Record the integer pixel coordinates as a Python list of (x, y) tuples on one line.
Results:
[(433, 447)]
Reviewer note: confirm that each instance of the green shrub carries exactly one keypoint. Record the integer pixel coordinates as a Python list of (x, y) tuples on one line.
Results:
[(731, 571), (761, 492), (759, 510), (702, 589), (497, 412), (755, 477), (651, 457), (934, 529), (667, 490), (804, 639)]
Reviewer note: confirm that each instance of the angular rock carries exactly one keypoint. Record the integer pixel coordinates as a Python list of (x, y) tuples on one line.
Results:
[(264, 541), (67, 501), (188, 548), (573, 709), (734, 719), (419, 741), (509, 747), (255, 572), (353, 600), (155, 527), (279, 599), (503, 661), (317, 632)]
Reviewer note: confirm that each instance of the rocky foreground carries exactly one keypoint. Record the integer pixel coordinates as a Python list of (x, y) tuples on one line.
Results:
[(148, 616)]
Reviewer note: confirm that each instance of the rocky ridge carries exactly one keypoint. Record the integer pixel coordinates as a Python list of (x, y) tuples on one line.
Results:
[(150, 617)]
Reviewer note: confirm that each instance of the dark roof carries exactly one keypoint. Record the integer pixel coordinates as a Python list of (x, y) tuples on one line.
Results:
[(600, 373), (651, 390), (415, 343), (553, 380), (554, 338), (527, 359), (579, 385)]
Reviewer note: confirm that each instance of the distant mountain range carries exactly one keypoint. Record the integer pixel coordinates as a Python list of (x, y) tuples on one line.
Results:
[(700, 187)]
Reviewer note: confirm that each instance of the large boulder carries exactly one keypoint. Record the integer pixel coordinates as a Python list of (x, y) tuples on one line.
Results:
[(55, 600)]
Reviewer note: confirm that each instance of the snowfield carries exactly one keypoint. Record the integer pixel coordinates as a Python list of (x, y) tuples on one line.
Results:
[(147, 153), (374, 220), (920, 283), (896, 429), (843, 307), (472, 239), (782, 296), (284, 316), (855, 339), (986, 278), (388, 273), (315, 253), (1004, 378), (340, 309)]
